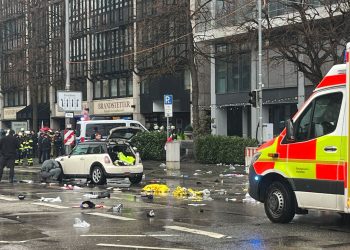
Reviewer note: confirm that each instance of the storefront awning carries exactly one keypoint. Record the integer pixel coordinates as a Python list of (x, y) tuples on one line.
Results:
[(27, 112)]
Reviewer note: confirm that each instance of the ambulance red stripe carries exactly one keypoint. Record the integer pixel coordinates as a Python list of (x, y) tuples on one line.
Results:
[(332, 81)]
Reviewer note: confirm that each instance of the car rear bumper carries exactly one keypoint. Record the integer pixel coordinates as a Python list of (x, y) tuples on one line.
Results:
[(123, 171)]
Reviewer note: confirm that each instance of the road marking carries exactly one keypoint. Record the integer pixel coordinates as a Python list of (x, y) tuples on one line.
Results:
[(131, 235), (140, 247), (196, 231), (11, 242), (111, 216), (49, 205), (6, 198)]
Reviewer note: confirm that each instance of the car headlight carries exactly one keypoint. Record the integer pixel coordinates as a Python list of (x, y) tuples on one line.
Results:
[(255, 158)]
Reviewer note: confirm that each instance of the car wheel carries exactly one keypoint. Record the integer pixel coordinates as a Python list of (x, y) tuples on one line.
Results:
[(279, 203), (135, 179), (97, 175)]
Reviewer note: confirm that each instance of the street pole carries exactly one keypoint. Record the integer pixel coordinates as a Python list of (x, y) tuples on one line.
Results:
[(259, 99), (67, 60)]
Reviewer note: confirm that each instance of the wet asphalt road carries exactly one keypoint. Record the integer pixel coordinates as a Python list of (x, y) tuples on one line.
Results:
[(234, 224)]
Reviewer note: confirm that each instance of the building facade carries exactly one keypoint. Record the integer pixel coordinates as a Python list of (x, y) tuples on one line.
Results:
[(234, 70), (104, 64)]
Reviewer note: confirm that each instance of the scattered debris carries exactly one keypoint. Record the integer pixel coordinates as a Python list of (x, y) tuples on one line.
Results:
[(57, 199), (233, 199), (26, 181), (195, 174), (199, 183), (201, 210), (80, 224), (21, 196), (162, 165), (249, 199), (151, 214), (91, 196), (121, 183), (87, 205), (209, 172), (198, 170), (117, 208), (189, 193)]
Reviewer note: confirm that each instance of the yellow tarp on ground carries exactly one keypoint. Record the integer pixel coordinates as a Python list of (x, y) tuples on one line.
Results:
[(156, 188)]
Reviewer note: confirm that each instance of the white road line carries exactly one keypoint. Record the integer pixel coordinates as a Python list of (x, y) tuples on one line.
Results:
[(12, 242), (140, 247), (196, 231), (49, 205), (129, 235), (112, 216), (6, 198)]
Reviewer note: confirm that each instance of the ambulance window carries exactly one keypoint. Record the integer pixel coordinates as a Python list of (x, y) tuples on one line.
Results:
[(303, 124), (326, 114), (319, 118)]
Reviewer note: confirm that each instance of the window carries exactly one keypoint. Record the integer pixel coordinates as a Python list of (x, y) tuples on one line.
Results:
[(122, 87), (221, 74), (319, 118), (114, 87), (80, 150), (97, 89), (233, 73), (105, 89), (130, 87)]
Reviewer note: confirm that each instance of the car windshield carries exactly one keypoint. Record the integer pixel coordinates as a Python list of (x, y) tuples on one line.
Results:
[(102, 128)]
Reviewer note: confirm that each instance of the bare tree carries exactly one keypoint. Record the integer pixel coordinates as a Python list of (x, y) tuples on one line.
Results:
[(166, 41), (312, 34)]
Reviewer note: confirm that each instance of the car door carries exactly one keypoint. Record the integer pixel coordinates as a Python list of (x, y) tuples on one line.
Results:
[(312, 160), (75, 163), (95, 154)]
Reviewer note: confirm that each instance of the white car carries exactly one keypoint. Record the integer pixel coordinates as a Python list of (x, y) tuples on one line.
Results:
[(99, 160)]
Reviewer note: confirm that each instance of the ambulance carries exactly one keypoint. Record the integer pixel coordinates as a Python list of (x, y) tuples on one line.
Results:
[(306, 166)]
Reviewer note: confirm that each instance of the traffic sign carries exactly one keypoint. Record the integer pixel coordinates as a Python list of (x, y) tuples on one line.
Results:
[(69, 100), (69, 137), (168, 105), (168, 99), (69, 115)]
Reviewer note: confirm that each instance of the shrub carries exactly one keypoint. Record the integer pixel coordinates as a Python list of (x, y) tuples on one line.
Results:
[(188, 128), (222, 149), (150, 145)]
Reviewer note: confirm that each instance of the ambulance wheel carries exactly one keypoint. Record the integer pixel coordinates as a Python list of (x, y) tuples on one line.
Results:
[(279, 203), (97, 175)]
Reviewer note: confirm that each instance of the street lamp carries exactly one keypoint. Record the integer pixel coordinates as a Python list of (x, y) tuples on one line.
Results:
[(260, 85)]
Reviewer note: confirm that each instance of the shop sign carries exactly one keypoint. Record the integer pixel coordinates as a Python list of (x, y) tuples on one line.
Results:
[(114, 106), (10, 113)]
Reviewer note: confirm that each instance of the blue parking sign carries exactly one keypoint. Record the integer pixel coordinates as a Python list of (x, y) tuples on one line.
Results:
[(168, 99)]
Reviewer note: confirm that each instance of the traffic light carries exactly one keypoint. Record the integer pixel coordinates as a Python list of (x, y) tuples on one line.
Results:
[(252, 99)]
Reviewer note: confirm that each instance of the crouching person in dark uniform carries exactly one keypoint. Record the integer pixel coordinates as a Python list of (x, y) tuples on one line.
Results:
[(50, 171)]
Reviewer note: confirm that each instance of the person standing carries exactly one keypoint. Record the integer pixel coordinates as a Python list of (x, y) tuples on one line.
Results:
[(58, 144), (8, 150), (46, 147), (40, 152), (34, 138)]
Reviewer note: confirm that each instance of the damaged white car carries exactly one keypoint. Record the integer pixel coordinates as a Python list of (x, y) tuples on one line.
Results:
[(97, 161)]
